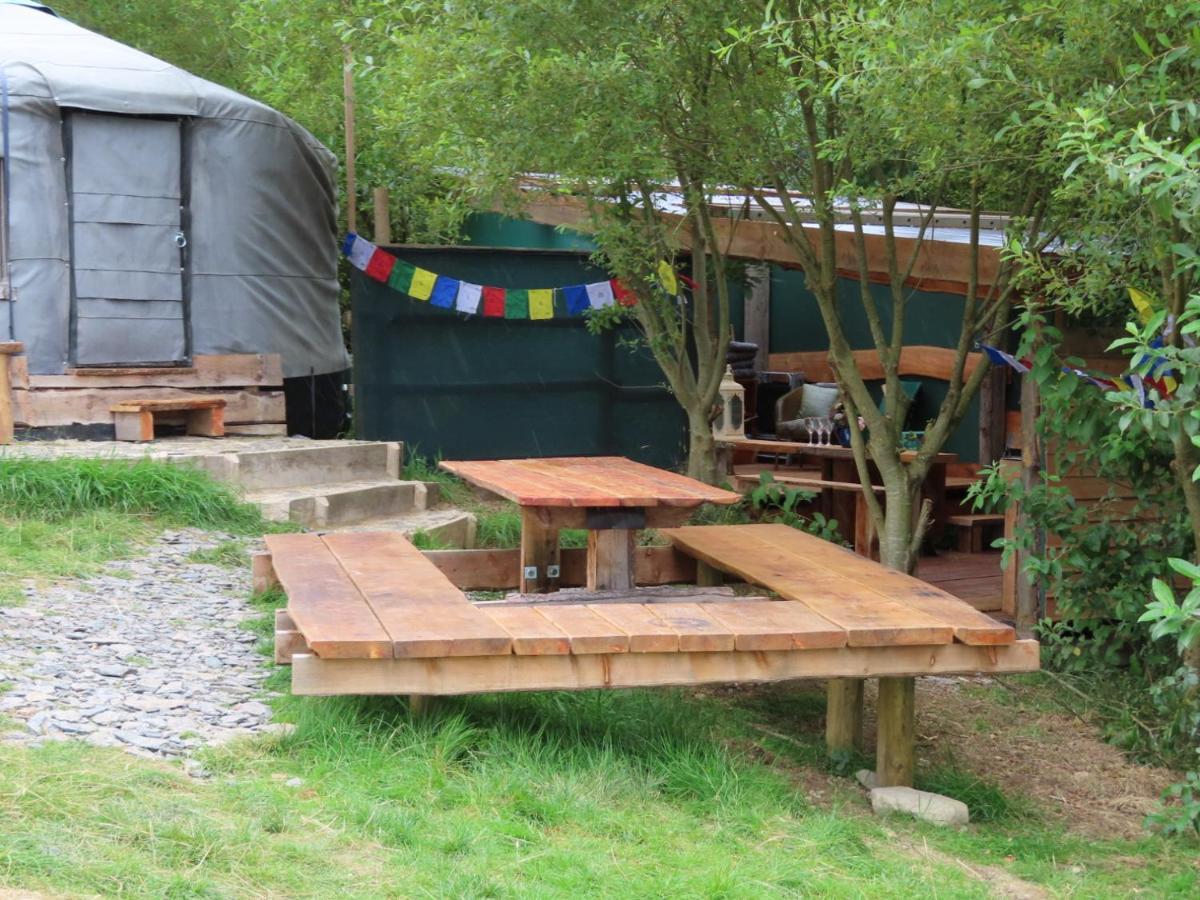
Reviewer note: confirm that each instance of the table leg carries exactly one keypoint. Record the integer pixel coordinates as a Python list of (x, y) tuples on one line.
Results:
[(935, 489), (610, 564), (539, 552), (842, 503)]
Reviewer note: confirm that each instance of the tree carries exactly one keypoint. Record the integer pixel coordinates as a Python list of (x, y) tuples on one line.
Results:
[(903, 102), (619, 109)]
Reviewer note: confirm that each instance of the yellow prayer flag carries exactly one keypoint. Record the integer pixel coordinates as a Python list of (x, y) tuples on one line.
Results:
[(1143, 303), (422, 284), (666, 275), (541, 304)]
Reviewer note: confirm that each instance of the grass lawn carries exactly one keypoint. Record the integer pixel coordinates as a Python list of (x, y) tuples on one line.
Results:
[(724, 792)]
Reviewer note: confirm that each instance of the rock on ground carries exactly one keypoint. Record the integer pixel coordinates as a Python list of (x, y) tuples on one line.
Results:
[(931, 807), (150, 655)]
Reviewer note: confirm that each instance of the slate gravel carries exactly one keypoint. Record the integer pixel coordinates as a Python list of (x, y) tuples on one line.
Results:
[(150, 656)]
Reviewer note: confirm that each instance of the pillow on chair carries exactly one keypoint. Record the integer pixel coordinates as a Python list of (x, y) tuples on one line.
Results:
[(805, 401)]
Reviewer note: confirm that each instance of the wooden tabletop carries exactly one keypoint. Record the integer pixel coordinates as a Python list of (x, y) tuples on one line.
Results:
[(586, 481), (834, 451)]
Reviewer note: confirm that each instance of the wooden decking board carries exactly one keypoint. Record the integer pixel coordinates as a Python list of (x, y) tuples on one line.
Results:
[(589, 632), (870, 619), (970, 625), (522, 487), (698, 631), (418, 606), (647, 632), (666, 488), (590, 478), (329, 611), (532, 633), (777, 625)]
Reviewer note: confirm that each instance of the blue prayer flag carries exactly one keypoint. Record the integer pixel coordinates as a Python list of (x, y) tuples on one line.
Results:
[(445, 292), (577, 299)]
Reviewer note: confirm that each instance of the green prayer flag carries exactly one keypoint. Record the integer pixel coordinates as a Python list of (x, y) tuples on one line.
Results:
[(516, 304), (402, 276)]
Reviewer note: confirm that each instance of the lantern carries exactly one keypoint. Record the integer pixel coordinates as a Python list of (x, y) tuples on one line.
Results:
[(729, 422)]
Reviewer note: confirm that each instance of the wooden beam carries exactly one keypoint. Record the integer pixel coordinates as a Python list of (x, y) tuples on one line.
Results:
[(756, 317), (539, 552), (610, 565), (991, 415), (383, 221), (479, 570), (922, 361), (8, 350), (262, 573), (47, 408), (895, 743), (482, 675), (844, 714)]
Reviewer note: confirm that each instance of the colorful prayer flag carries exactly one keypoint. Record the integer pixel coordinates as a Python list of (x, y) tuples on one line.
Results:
[(541, 304), (577, 299), (422, 284), (624, 295), (1000, 358), (360, 253), (348, 243), (600, 294), (666, 277), (380, 265), (1143, 303), (516, 303), (402, 276), (468, 297), (445, 292), (493, 301)]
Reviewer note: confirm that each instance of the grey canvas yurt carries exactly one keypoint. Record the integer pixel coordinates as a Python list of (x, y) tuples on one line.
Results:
[(151, 216)]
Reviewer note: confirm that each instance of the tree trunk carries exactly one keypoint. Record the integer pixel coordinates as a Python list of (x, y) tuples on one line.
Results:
[(702, 449), (1187, 458), (895, 541)]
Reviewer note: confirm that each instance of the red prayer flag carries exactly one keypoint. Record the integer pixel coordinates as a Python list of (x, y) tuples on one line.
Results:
[(380, 265), (493, 301), (624, 296)]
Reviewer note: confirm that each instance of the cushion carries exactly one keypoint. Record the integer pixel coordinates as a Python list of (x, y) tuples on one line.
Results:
[(817, 400)]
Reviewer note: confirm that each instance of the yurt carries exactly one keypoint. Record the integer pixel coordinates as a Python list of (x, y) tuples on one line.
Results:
[(153, 221)]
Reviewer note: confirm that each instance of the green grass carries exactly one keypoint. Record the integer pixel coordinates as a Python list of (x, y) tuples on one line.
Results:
[(63, 518), (227, 554)]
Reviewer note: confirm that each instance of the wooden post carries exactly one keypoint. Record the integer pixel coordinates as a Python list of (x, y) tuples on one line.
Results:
[(992, 432), (895, 743), (756, 318), (610, 565), (539, 551), (348, 96), (8, 349), (383, 219), (707, 576), (844, 714)]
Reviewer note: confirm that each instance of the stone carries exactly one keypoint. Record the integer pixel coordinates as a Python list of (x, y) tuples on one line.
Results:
[(294, 782), (866, 778), (114, 671), (922, 804), (140, 740)]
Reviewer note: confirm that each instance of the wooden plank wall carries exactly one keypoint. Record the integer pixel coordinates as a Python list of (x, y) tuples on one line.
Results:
[(250, 384), (922, 361)]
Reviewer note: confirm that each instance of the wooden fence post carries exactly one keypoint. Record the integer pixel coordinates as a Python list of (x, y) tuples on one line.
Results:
[(8, 349), (383, 219)]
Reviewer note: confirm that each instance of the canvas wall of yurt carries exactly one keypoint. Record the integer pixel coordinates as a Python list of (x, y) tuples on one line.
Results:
[(162, 234)]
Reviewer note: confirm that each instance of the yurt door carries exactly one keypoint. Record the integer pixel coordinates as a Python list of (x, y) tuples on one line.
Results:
[(127, 240)]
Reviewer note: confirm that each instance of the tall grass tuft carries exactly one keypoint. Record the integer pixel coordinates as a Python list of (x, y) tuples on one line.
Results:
[(53, 490)]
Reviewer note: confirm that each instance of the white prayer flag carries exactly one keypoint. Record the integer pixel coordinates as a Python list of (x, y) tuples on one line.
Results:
[(600, 294), (468, 297), (360, 253)]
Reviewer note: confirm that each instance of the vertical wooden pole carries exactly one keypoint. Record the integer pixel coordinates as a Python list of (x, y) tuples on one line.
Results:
[(895, 745), (756, 318), (348, 96), (8, 349), (610, 565), (383, 220), (1029, 599), (539, 551), (992, 432), (844, 714), (707, 576)]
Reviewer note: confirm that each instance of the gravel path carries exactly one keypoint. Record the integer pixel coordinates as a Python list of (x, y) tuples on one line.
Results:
[(149, 656)]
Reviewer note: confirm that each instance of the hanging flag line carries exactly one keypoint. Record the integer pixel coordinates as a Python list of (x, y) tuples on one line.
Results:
[(487, 300), (1159, 380)]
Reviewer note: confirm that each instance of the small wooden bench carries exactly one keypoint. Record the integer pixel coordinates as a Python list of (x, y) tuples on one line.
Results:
[(133, 420), (368, 613), (972, 528)]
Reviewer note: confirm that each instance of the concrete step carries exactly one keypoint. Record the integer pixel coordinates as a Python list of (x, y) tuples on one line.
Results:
[(343, 503), (260, 470), (451, 528)]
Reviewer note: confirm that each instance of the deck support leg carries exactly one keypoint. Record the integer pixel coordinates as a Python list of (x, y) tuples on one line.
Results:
[(610, 564), (895, 756), (708, 576), (844, 715), (419, 705), (539, 551)]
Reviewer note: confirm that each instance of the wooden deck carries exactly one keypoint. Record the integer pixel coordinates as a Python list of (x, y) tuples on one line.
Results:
[(975, 578)]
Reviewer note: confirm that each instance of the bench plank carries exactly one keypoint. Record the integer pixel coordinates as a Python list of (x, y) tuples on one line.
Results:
[(776, 557), (327, 608), (647, 632), (777, 625), (532, 634), (589, 632), (425, 614), (698, 631)]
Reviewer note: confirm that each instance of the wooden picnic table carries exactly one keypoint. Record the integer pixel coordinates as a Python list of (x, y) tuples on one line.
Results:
[(610, 496), (837, 465)]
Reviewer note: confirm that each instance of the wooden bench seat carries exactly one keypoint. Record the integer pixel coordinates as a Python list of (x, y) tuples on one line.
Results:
[(133, 420), (972, 528)]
